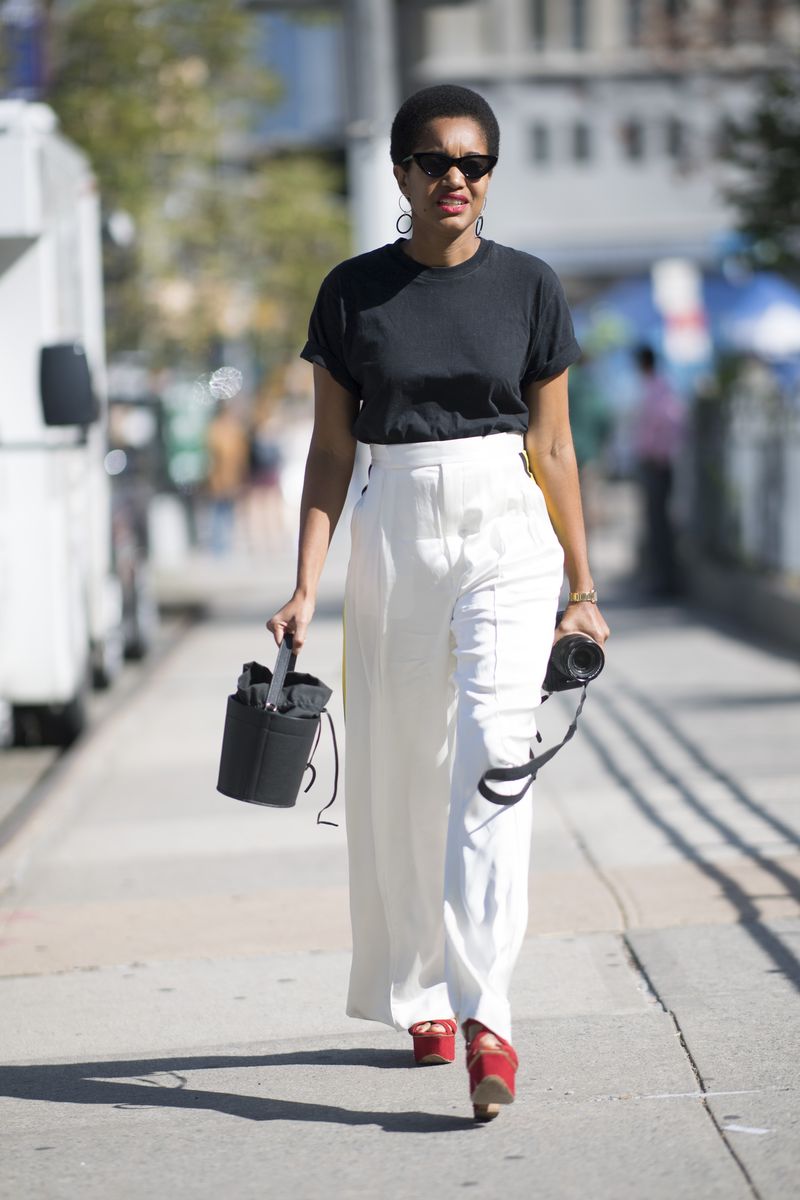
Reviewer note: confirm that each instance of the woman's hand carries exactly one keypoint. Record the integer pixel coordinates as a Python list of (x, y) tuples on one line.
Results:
[(294, 618), (583, 618)]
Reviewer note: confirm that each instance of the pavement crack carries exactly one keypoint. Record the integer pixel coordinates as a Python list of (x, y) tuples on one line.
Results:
[(596, 866), (702, 1093), (634, 962), (704, 1097), (638, 968)]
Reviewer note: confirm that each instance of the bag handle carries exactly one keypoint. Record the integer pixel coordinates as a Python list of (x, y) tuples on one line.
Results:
[(509, 774), (284, 663)]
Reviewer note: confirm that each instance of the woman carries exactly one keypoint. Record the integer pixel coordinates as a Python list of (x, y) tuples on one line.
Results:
[(448, 355)]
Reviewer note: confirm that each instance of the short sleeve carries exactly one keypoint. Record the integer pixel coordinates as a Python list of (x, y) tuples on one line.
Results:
[(553, 344), (326, 332)]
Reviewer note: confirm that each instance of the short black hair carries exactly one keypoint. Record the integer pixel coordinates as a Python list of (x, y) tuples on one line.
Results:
[(441, 100), (645, 357)]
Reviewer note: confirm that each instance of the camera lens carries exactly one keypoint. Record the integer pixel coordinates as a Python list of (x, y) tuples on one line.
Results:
[(582, 660), (574, 660), (585, 659)]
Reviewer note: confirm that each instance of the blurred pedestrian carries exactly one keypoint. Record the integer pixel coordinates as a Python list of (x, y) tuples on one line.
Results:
[(447, 353), (229, 463), (590, 421), (658, 433), (264, 507)]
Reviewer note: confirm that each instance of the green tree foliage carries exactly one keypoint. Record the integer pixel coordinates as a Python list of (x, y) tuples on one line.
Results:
[(766, 151), (162, 95), (241, 254), (140, 84)]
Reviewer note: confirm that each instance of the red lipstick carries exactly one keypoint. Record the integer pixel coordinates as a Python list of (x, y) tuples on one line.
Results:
[(453, 202)]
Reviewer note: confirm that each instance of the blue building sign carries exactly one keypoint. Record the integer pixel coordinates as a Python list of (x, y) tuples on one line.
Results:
[(307, 59), (22, 34)]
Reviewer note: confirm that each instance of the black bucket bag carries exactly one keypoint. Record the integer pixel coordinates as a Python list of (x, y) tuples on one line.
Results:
[(273, 723)]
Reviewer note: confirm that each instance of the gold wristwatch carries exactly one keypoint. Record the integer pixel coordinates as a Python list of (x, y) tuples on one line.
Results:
[(583, 597)]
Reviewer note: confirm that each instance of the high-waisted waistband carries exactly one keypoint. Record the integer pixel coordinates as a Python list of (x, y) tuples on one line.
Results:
[(426, 454)]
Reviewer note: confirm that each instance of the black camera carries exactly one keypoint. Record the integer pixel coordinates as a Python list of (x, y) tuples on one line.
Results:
[(574, 661)]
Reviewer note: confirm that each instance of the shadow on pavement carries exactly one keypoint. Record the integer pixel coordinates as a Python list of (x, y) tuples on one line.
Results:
[(98, 1083), (706, 700), (737, 793), (786, 962)]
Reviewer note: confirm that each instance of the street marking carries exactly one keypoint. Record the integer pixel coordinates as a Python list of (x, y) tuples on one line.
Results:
[(702, 1095), (697, 1095)]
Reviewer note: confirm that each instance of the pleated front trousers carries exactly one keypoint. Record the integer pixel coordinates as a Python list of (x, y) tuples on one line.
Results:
[(450, 603)]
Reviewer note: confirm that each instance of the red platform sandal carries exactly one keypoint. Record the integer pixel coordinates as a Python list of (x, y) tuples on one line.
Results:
[(492, 1064), (430, 1047)]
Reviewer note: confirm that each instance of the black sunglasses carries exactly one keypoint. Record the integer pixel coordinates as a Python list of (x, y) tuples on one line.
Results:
[(471, 166)]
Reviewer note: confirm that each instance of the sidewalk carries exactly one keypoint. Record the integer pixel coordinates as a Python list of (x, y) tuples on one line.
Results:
[(174, 964)]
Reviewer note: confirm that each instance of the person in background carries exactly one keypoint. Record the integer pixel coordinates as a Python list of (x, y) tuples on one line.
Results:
[(658, 432), (590, 422), (228, 468), (264, 507)]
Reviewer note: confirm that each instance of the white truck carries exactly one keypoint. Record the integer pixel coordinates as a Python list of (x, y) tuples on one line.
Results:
[(60, 602)]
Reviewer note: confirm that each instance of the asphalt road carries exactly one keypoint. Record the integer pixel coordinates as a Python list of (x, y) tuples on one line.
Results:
[(173, 964)]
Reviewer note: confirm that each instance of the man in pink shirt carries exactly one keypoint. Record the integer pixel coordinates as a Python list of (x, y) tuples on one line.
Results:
[(658, 434)]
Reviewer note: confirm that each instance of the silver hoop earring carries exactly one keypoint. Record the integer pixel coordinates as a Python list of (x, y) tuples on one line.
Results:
[(479, 222), (403, 214)]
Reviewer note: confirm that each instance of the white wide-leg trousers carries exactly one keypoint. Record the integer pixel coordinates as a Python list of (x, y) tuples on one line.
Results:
[(450, 604)]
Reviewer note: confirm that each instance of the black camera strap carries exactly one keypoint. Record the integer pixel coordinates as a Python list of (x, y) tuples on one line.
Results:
[(532, 768)]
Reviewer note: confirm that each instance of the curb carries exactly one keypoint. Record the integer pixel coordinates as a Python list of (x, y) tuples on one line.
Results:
[(756, 601)]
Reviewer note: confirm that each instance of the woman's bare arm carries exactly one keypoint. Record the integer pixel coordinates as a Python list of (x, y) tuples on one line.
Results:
[(329, 467), (551, 454)]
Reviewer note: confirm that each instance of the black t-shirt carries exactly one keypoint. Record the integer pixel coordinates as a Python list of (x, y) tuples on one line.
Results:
[(434, 353)]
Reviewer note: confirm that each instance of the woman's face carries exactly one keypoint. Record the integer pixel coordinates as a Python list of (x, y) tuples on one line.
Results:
[(452, 204)]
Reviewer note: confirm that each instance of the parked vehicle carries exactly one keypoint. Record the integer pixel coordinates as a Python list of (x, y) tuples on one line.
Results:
[(60, 600)]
